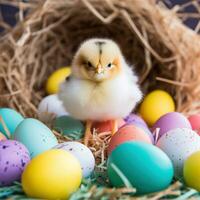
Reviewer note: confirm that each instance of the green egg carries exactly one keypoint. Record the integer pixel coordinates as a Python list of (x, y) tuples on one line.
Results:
[(69, 126), (140, 165), (11, 118)]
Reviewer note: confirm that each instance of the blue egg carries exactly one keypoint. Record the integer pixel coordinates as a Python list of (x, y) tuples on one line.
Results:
[(11, 119), (146, 167), (36, 136)]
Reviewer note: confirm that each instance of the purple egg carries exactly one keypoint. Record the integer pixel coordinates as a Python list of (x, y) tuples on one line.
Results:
[(135, 118), (14, 156), (171, 121)]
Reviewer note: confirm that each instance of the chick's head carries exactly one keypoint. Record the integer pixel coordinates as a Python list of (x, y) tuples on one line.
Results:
[(97, 60)]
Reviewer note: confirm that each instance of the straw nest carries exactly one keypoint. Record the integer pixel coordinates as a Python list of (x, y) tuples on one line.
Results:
[(164, 52)]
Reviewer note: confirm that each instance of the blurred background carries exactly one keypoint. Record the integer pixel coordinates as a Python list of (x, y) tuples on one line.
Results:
[(8, 12)]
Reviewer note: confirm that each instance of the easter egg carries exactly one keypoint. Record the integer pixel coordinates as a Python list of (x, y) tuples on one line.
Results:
[(36, 136), (156, 104), (146, 167), (54, 174), (107, 126), (13, 158), (192, 171), (179, 144), (69, 126), (171, 121), (56, 78), (139, 123), (11, 118), (195, 122), (127, 133), (82, 153), (145, 129), (133, 118), (2, 137), (51, 105)]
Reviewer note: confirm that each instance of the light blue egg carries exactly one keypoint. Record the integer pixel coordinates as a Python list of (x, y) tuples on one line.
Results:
[(146, 167), (36, 136), (11, 119)]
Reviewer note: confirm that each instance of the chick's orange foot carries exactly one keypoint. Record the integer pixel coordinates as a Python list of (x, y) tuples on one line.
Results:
[(89, 127), (88, 133)]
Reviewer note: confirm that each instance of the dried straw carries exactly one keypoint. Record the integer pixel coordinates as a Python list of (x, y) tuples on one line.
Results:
[(165, 52)]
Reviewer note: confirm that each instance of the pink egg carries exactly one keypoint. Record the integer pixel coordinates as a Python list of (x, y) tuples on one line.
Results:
[(171, 121), (2, 137), (128, 133), (195, 122), (107, 125)]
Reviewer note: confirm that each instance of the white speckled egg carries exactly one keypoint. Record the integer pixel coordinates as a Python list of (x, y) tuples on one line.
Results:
[(51, 105), (82, 153), (179, 144)]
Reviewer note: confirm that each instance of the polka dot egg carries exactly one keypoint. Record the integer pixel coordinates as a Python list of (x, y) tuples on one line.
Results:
[(179, 144), (13, 158), (82, 153)]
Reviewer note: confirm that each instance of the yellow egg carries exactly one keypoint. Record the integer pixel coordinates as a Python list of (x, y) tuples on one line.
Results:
[(156, 104), (54, 81), (191, 171), (54, 174)]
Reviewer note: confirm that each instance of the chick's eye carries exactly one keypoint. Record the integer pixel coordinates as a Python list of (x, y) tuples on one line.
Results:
[(89, 64), (109, 65)]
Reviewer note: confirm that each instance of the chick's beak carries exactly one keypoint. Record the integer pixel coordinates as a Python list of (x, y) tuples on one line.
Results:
[(99, 73), (99, 69)]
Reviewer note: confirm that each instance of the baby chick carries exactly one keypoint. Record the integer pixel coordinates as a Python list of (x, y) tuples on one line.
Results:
[(102, 85)]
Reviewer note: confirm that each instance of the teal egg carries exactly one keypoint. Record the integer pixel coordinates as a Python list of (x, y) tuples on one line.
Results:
[(69, 126), (36, 136), (146, 167), (11, 119)]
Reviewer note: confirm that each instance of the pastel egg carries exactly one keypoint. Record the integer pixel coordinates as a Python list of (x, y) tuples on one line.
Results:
[(2, 137), (11, 118), (179, 144), (36, 136), (51, 105), (14, 157), (140, 123), (127, 133), (69, 126), (54, 174), (171, 121), (56, 78), (144, 166), (133, 118), (106, 126), (145, 129), (155, 105), (82, 153), (195, 122), (192, 171)]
